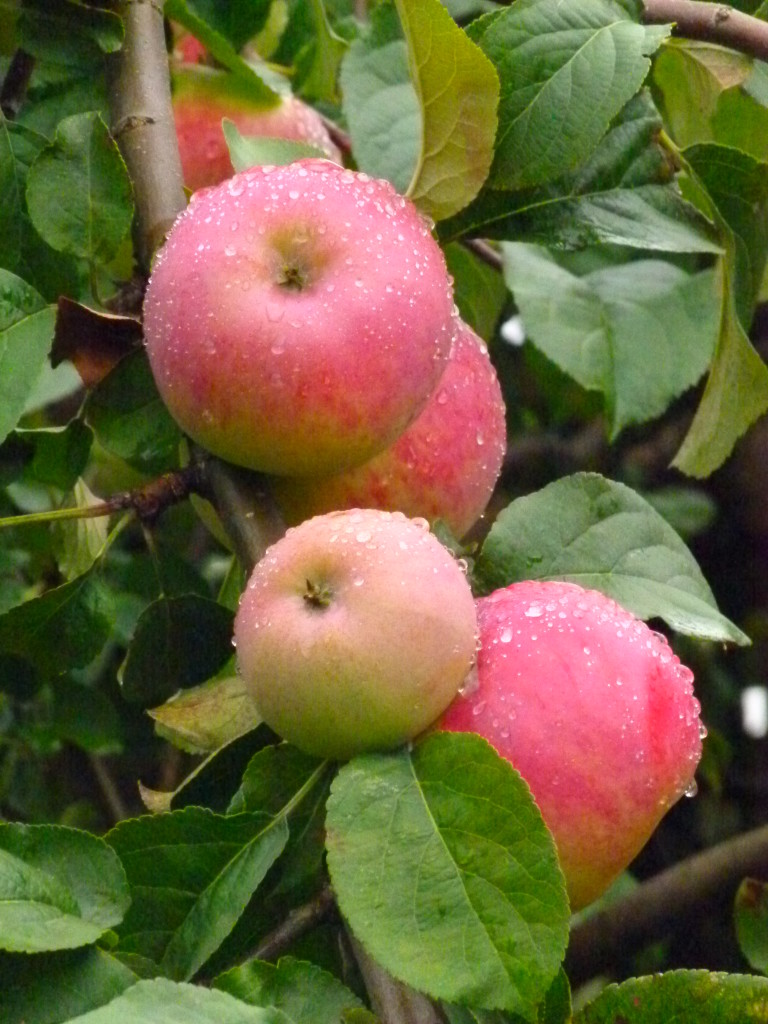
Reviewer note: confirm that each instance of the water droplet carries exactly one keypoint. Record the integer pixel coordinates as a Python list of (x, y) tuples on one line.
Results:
[(691, 789)]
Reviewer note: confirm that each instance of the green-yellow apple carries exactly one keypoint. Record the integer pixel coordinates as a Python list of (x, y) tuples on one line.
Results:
[(202, 96), (298, 318), (355, 632), (594, 710), (444, 466)]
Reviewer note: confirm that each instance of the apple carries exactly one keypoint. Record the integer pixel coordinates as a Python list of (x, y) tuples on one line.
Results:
[(298, 318), (444, 466), (594, 710), (202, 96), (355, 632)]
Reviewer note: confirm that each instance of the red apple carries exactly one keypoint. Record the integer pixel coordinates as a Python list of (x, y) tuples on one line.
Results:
[(596, 713), (298, 318), (444, 466), (202, 96), (355, 631)]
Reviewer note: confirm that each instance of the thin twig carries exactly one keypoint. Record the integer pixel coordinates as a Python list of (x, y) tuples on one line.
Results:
[(298, 922), (109, 790), (392, 1001), (147, 501), (665, 902), (714, 23)]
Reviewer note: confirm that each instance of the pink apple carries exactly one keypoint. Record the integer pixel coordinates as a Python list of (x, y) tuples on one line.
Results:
[(298, 318), (202, 96), (596, 713), (444, 466), (355, 632)]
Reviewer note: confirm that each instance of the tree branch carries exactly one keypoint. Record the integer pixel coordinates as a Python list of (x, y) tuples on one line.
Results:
[(664, 903), (392, 1001), (143, 125), (711, 22), (297, 923)]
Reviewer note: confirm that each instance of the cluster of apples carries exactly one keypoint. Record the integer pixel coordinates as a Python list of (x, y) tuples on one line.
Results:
[(300, 322)]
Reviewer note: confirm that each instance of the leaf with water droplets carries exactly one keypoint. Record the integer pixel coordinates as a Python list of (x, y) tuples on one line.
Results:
[(604, 536), (445, 872)]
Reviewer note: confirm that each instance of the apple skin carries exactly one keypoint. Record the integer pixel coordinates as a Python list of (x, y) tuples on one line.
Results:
[(594, 710), (202, 96), (298, 318), (355, 632), (444, 466)]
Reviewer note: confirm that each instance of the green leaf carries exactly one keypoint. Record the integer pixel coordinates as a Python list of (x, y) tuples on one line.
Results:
[(84, 164), (738, 186), (318, 63), (751, 911), (685, 997), (690, 78), (555, 1008), (164, 1002), (178, 642), (272, 779), (26, 336), (641, 332), (77, 543), (446, 874), (130, 419), (237, 21), (733, 189), (206, 717), (621, 195), (380, 102), (79, 614), (86, 717), (191, 874), (458, 93), (567, 70), (55, 457), (59, 888), (250, 150), (604, 536), (305, 993), (479, 290), (53, 988), (18, 148), (192, 15), (69, 32)]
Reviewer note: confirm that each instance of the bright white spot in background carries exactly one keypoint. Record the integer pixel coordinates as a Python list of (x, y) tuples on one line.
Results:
[(754, 711), (513, 331)]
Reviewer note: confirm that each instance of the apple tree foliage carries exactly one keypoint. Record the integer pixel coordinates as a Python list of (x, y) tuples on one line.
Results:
[(620, 172)]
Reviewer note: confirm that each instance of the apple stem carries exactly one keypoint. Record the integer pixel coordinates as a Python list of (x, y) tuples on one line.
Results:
[(318, 595)]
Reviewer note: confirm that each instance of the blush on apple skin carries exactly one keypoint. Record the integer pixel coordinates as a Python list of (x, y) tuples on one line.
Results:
[(202, 96), (594, 710), (355, 632), (444, 466), (298, 318)]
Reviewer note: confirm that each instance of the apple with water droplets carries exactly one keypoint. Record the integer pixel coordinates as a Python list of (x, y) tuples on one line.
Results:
[(594, 710), (355, 632), (444, 466), (203, 96), (298, 318)]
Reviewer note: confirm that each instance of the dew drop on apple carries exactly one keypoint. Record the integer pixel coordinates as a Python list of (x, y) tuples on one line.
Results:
[(479, 708), (691, 789)]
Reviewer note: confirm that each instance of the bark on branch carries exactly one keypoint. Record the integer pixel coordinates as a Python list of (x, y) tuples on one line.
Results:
[(711, 22), (665, 903)]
